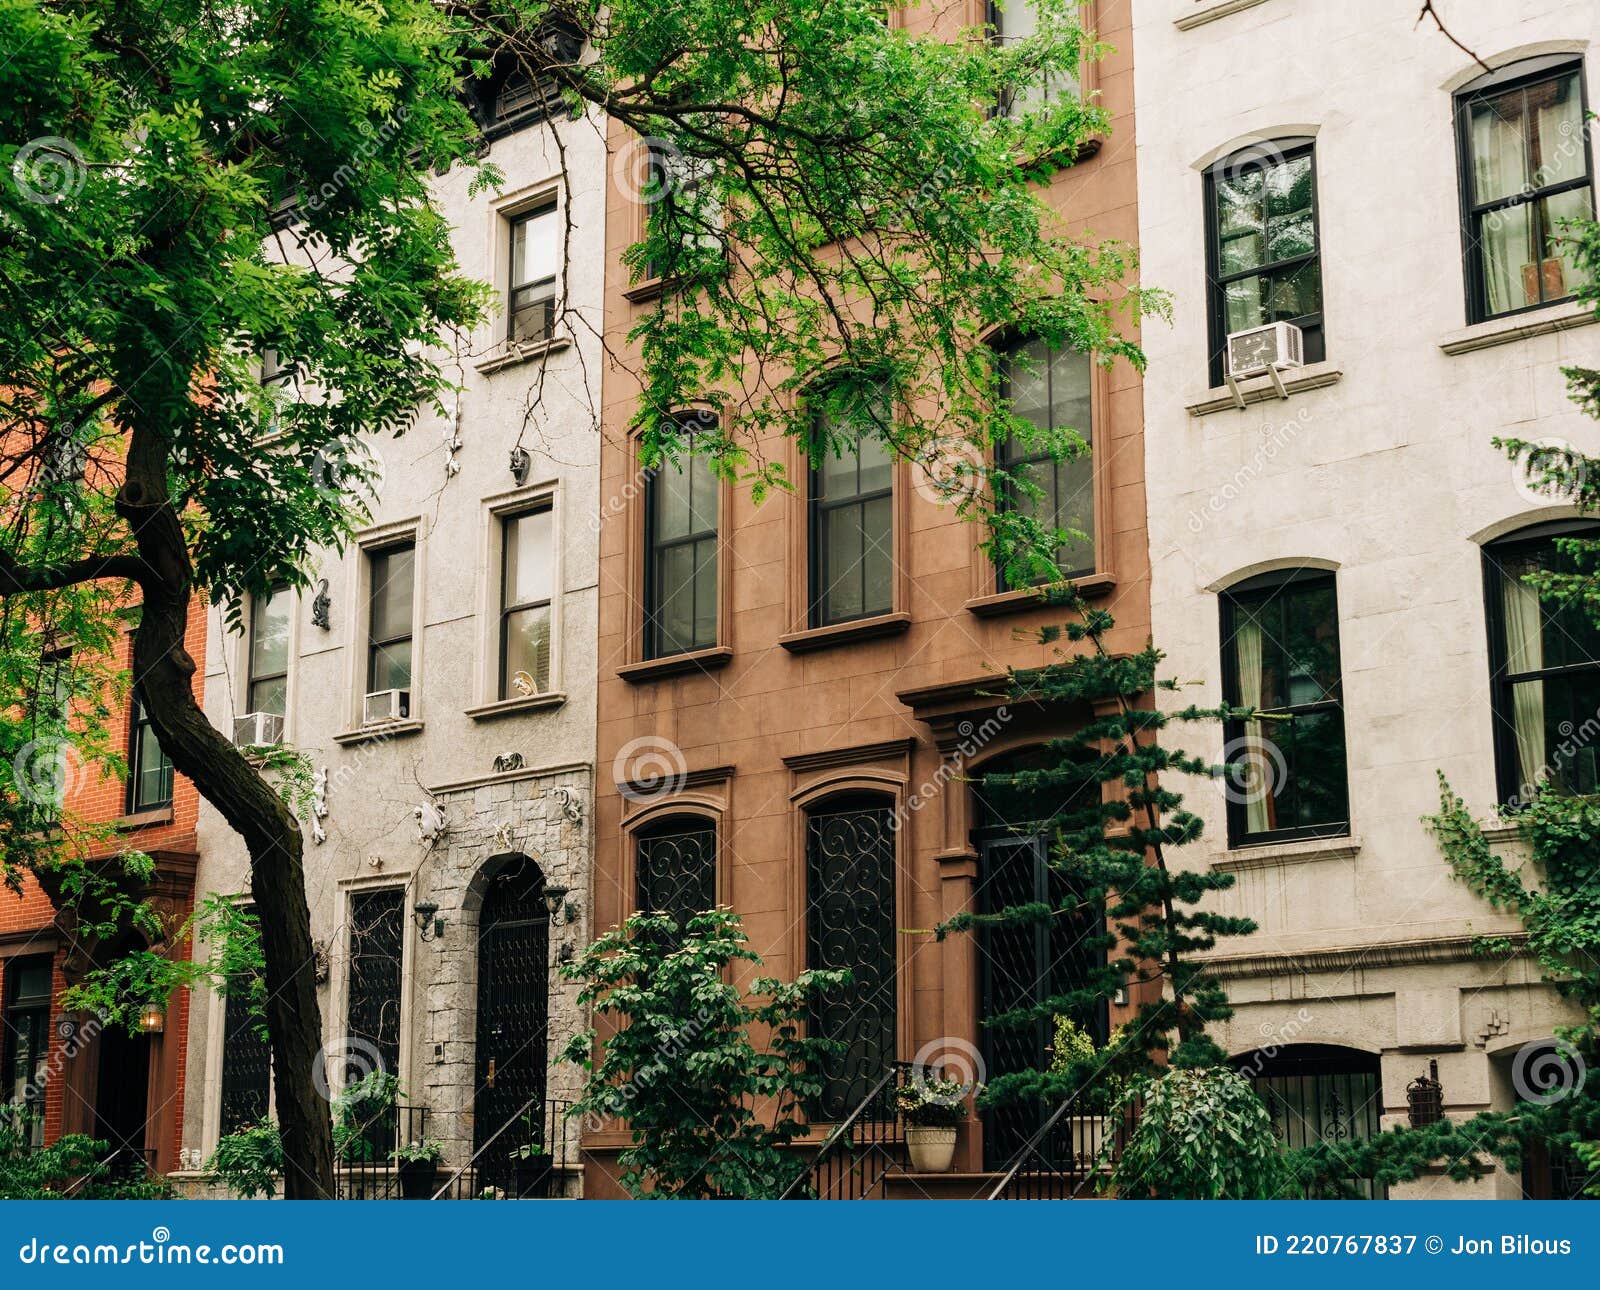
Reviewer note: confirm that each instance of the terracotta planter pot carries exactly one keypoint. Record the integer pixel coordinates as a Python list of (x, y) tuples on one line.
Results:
[(932, 1147)]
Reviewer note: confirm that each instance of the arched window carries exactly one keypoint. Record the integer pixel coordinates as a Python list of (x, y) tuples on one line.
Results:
[(1053, 390), (850, 924), (675, 868), (1319, 1093), (1280, 655), (1264, 258), (1544, 663), (1525, 167), (851, 515)]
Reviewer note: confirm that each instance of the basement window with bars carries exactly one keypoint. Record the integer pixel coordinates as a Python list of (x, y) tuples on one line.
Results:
[(246, 1057), (676, 869)]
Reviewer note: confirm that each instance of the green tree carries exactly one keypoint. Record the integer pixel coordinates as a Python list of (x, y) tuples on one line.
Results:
[(709, 1078), (192, 186)]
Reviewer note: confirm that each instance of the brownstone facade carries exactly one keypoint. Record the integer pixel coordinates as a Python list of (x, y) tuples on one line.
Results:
[(775, 720)]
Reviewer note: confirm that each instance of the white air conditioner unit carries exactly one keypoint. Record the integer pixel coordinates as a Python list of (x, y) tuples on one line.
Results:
[(257, 730), (1264, 351), (385, 705)]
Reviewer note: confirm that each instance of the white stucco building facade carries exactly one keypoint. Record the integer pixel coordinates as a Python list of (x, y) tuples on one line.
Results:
[(452, 813), (1333, 552)]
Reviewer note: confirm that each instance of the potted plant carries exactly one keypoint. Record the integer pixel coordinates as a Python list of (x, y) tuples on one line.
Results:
[(1088, 1123), (531, 1170), (931, 1109), (417, 1163)]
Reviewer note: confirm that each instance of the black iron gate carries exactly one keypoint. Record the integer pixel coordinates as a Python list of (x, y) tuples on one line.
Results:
[(1022, 966), (851, 924), (513, 1017), (1319, 1093)]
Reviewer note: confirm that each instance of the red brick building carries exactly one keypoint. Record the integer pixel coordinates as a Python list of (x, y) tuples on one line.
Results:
[(86, 1078)]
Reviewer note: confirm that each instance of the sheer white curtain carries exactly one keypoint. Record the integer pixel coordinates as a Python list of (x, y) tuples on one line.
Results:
[(1500, 168), (1247, 650), (1525, 653)]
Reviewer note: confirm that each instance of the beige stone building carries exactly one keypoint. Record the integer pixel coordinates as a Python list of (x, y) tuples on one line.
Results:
[(1336, 538), (441, 681)]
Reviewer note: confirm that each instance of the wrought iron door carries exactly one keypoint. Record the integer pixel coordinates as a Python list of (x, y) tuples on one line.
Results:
[(1020, 967), (851, 924), (1320, 1093), (513, 1019)]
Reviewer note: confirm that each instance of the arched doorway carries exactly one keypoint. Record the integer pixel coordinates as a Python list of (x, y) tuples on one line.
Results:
[(513, 1021), (1022, 966), (1319, 1093)]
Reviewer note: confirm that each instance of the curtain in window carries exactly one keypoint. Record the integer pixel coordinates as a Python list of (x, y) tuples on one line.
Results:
[(1500, 168), (1525, 653), (1247, 650)]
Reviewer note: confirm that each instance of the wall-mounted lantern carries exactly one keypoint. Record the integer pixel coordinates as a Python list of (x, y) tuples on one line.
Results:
[(429, 924), (153, 1018), (1425, 1098)]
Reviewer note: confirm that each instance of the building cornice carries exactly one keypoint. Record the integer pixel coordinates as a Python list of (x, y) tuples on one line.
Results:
[(1444, 949)]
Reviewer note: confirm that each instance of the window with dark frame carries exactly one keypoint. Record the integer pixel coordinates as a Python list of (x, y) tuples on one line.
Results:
[(1263, 252), (535, 274), (246, 1058), (372, 1006), (1286, 769), (392, 586), (680, 574), (527, 574), (1017, 20), (1544, 660), (53, 710), (679, 203), (149, 769), (1053, 390), (1525, 168), (26, 1050), (269, 653), (851, 523), (675, 869)]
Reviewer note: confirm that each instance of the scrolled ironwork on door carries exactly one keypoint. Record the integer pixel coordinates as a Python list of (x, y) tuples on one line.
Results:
[(851, 924)]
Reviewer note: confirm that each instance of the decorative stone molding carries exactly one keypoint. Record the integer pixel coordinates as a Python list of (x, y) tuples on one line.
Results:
[(1201, 14), (1445, 949), (1505, 331)]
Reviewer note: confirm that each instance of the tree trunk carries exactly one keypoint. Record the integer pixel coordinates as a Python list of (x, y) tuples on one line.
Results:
[(163, 671)]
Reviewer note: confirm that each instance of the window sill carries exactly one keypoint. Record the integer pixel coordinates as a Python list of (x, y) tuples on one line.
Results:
[(1504, 331), (144, 819), (1091, 586), (644, 292), (656, 669), (378, 733), (1211, 12), (859, 629), (510, 707), (1266, 854), (1260, 389), (509, 356)]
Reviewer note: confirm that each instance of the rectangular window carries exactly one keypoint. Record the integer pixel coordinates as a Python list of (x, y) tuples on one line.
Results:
[(269, 653), (246, 1057), (1018, 20), (852, 524), (526, 583), (278, 387), (372, 1007), (682, 206), (535, 270), (681, 500), (1545, 661), (1286, 769), (1264, 253), (149, 770), (676, 865), (391, 571), (1052, 389), (26, 1050), (1525, 168)]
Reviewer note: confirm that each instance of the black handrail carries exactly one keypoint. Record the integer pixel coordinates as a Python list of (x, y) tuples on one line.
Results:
[(877, 1135), (1043, 1171)]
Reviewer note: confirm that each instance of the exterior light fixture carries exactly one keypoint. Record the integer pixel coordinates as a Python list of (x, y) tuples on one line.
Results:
[(153, 1018), (555, 900), (1425, 1098), (429, 924)]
